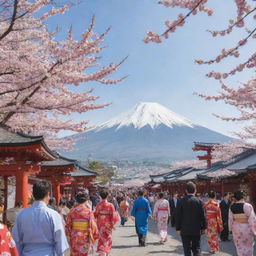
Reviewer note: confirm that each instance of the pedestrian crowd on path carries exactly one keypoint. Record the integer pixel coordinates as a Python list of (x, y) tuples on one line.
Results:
[(84, 224)]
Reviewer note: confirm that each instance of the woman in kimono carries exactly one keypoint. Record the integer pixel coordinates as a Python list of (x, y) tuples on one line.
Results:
[(106, 217), (81, 226), (161, 214), (7, 244), (124, 210), (214, 222), (242, 223)]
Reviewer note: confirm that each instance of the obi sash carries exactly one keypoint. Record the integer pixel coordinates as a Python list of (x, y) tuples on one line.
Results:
[(81, 225), (211, 214), (241, 218), (162, 209)]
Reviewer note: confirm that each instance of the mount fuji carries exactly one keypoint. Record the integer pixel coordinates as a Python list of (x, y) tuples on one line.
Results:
[(147, 132)]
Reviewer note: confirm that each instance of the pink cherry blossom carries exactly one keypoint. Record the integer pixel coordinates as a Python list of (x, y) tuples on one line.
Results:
[(38, 72)]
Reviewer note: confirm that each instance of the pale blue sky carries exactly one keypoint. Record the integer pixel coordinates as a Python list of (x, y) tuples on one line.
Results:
[(163, 73)]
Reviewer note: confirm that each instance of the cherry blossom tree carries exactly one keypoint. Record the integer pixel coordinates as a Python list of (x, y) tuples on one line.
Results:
[(38, 72), (244, 97)]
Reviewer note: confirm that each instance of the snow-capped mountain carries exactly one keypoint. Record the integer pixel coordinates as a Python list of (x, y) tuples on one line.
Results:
[(147, 113), (149, 131)]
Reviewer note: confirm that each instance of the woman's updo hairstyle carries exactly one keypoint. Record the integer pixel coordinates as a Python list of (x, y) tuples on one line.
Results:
[(82, 196), (211, 194), (239, 194)]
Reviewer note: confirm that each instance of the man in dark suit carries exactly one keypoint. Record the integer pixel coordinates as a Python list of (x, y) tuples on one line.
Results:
[(173, 205), (224, 207), (190, 221)]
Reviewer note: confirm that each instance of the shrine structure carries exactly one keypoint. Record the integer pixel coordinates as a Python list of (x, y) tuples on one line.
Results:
[(64, 173), (82, 177), (20, 157)]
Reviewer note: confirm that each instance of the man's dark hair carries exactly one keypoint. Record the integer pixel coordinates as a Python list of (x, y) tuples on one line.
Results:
[(41, 189), (239, 194), (161, 194), (211, 194), (19, 204), (63, 202), (191, 187), (141, 193), (104, 194), (52, 201)]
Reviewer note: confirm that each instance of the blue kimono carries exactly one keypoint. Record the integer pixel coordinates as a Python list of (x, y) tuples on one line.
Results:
[(141, 211), (39, 231)]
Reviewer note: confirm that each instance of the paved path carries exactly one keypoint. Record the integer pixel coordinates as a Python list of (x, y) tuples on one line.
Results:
[(125, 243)]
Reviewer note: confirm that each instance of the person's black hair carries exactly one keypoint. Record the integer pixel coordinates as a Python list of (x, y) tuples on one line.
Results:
[(41, 189), (63, 202), (225, 194), (191, 187), (82, 197), (141, 193), (19, 204), (239, 194), (104, 194), (52, 200), (211, 194), (161, 194)]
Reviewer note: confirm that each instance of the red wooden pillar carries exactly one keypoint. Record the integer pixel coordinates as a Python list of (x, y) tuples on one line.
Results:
[(22, 188), (73, 189), (222, 188), (56, 192), (5, 198)]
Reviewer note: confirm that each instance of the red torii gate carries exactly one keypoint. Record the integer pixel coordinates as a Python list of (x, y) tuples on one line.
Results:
[(20, 156), (208, 147)]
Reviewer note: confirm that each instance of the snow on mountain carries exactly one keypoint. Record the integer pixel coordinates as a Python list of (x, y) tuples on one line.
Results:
[(147, 113)]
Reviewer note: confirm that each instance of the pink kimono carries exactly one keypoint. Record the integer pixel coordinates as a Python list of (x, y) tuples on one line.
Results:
[(161, 213), (242, 223), (106, 217)]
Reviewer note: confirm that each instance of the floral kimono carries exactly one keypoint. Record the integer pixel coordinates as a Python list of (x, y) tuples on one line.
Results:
[(81, 229), (214, 224), (162, 213), (106, 219), (242, 223), (7, 244)]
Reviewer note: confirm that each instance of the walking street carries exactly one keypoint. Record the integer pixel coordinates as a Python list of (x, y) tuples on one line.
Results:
[(125, 243)]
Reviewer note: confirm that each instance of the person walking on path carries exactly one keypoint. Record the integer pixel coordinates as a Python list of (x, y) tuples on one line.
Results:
[(162, 213), (173, 205), (106, 217), (242, 223), (141, 211), (124, 211), (214, 222), (38, 230), (224, 207), (190, 221), (7, 244), (81, 227), (12, 213)]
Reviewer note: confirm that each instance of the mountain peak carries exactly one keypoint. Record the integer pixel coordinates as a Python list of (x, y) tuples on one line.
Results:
[(147, 114)]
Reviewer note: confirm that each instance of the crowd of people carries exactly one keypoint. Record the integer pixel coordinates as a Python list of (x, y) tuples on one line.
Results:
[(84, 224)]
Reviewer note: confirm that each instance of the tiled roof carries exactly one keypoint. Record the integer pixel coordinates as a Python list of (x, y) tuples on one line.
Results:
[(8, 138), (233, 167), (82, 172), (204, 144)]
